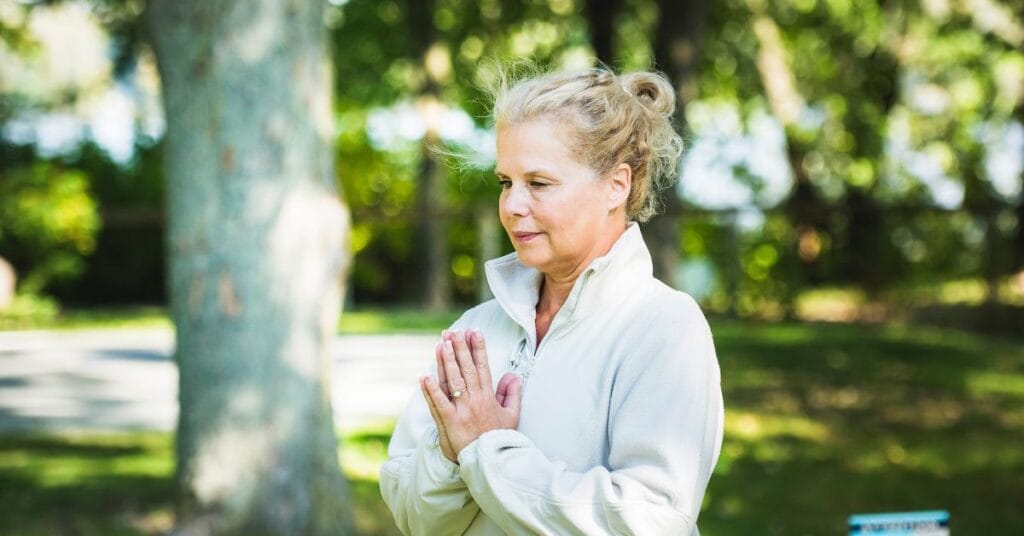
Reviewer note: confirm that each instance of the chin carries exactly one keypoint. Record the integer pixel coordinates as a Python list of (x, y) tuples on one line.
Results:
[(531, 259)]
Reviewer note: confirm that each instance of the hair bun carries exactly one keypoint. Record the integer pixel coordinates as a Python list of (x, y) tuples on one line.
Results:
[(652, 90)]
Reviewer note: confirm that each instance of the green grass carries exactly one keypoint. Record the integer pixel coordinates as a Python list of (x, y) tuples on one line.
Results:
[(109, 484), (364, 321), (822, 421), (396, 321)]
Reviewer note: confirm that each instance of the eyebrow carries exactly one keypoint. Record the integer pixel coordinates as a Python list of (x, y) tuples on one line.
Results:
[(531, 173)]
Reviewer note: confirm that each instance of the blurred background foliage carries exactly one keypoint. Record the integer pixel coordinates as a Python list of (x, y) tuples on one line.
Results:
[(847, 160)]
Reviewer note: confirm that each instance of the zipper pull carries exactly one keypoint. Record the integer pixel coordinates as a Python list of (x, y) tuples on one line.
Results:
[(517, 356)]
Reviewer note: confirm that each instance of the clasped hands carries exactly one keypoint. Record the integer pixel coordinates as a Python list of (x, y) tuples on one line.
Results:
[(462, 399)]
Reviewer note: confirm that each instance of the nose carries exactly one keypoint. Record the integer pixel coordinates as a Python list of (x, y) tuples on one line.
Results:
[(515, 201)]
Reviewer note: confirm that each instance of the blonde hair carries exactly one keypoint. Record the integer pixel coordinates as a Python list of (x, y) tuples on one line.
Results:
[(615, 119)]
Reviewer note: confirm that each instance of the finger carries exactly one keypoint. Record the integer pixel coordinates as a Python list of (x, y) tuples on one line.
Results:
[(442, 377), (514, 394), (442, 431), (502, 393), (443, 406), (455, 380), (499, 396), (480, 359), (430, 405), (465, 360)]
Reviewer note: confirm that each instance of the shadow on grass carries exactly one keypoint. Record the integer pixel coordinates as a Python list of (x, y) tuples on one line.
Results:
[(826, 421), (85, 484), (822, 421), (122, 484)]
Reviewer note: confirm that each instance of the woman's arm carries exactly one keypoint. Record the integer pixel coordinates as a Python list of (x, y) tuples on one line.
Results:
[(421, 487), (665, 433)]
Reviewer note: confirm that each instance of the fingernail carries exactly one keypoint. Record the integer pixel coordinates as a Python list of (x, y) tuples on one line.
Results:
[(446, 334)]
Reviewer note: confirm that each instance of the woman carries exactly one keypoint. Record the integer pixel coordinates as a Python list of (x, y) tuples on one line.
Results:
[(607, 417)]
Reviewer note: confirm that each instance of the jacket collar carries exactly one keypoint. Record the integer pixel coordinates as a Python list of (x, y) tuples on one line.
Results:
[(605, 282)]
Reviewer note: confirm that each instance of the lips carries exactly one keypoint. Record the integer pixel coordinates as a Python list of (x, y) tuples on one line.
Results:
[(523, 237)]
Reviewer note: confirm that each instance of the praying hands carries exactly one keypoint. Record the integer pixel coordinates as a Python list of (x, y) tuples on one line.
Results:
[(462, 399)]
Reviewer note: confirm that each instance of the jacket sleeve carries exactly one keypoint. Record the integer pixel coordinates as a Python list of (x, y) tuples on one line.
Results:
[(665, 432), (420, 486)]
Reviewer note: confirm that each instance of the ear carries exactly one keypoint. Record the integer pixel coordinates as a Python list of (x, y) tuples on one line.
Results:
[(620, 182)]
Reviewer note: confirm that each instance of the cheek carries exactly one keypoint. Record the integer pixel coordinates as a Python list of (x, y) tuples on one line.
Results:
[(503, 214)]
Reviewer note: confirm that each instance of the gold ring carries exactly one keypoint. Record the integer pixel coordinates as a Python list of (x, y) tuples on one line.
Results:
[(457, 393)]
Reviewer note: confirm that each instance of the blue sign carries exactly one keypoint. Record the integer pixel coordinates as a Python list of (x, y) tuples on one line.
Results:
[(928, 523)]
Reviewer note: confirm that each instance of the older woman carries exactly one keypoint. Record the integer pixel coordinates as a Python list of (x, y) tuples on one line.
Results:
[(606, 416)]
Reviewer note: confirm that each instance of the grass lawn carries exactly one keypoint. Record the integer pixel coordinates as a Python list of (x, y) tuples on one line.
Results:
[(822, 421), (362, 321)]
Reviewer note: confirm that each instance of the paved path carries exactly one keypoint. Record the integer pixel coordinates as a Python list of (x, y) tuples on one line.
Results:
[(125, 379)]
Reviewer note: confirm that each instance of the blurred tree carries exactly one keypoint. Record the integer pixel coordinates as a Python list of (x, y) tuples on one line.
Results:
[(255, 236), (964, 79), (679, 50), (430, 51), (47, 79), (868, 94), (1018, 114), (434, 67), (48, 222), (601, 20)]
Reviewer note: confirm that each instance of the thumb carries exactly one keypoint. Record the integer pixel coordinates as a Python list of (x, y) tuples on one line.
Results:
[(513, 395), (502, 390)]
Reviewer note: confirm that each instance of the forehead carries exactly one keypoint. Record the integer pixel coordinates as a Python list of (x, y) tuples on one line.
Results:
[(544, 143)]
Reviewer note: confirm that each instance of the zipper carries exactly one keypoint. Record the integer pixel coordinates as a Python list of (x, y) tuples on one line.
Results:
[(520, 354)]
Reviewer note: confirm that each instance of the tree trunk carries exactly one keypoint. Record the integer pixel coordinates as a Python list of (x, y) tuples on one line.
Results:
[(865, 239), (1018, 242), (255, 245), (489, 229), (432, 229), (677, 50), (804, 209), (601, 20)]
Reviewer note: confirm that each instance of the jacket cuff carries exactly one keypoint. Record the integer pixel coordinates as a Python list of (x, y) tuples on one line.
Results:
[(441, 470), (488, 442)]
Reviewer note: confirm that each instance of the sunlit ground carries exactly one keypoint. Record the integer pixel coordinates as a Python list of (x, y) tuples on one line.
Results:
[(823, 421)]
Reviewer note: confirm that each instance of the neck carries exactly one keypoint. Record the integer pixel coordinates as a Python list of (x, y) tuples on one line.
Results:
[(556, 286), (553, 293)]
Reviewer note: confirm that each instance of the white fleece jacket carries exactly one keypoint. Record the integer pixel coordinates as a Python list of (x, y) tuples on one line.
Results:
[(621, 421)]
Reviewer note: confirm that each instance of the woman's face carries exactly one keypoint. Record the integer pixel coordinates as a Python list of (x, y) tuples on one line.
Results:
[(557, 211)]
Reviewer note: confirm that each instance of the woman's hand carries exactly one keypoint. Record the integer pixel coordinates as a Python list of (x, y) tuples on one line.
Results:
[(461, 400), (442, 380)]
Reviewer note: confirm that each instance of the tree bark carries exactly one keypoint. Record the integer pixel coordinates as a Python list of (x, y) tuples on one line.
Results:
[(677, 50), (1018, 241), (432, 231), (489, 229), (803, 208), (601, 20), (255, 246)]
